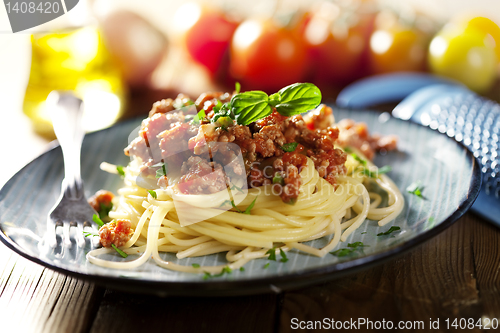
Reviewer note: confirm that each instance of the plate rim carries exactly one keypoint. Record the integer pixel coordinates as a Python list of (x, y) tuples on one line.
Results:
[(258, 285)]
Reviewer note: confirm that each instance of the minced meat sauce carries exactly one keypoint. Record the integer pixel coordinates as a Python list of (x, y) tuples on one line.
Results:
[(274, 148), (200, 150)]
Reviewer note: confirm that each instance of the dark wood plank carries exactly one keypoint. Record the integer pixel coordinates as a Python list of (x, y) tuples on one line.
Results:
[(124, 312), (486, 250), (36, 299), (436, 280)]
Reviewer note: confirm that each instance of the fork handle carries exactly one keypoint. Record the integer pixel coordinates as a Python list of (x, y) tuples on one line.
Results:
[(67, 121)]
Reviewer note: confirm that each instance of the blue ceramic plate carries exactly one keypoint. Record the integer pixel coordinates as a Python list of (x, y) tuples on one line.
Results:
[(449, 173)]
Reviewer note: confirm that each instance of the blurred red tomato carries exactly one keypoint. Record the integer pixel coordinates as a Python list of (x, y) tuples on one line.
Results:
[(395, 47), (207, 34), (267, 57), (338, 41)]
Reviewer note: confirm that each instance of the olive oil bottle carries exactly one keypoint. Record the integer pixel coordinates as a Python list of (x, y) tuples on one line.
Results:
[(74, 60)]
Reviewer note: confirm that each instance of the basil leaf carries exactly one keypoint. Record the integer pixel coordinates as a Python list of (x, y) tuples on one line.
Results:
[(153, 194), (298, 98), (289, 147), (250, 106)]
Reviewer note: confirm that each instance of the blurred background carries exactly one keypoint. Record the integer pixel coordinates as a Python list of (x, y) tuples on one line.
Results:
[(121, 56)]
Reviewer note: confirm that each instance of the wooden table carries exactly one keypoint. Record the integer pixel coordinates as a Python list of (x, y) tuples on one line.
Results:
[(453, 275)]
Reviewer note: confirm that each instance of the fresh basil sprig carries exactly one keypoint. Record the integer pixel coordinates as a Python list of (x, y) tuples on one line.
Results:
[(250, 106), (297, 98)]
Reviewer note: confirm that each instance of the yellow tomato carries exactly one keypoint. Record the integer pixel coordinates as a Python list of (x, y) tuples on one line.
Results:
[(397, 49), (467, 52)]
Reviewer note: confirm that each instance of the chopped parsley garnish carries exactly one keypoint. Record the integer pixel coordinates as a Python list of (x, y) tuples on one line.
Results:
[(196, 265), (104, 209), (224, 123), (342, 252), (352, 247), (120, 170), (376, 174), (242, 269), (266, 265), (347, 150), (234, 206), (225, 202), (153, 194), (237, 87), (278, 179), (247, 211), (359, 159), (283, 255), (356, 245), (391, 229), (415, 188), (234, 187), (161, 171), (178, 104), (249, 208), (87, 234), (199, 117), (272, 254), (123, 254), (225, 270), (97, 220), (289, 147)]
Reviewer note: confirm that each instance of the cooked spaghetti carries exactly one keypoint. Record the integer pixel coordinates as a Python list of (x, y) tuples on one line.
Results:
[(191, 197)]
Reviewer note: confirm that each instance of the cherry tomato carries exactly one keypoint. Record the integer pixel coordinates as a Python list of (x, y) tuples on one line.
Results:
[(207, 34), (467, 53), (265, 56), (395, 47), (338, 49)]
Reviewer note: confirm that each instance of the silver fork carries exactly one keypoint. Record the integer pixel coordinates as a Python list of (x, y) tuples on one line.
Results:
[(72, 208)]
